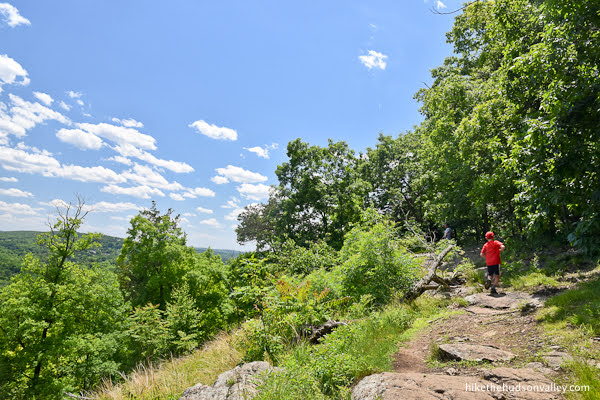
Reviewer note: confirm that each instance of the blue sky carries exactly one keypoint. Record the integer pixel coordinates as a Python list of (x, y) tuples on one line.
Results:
[(192, 103)]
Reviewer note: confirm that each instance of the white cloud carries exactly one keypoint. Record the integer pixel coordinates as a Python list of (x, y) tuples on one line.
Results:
[(142, 192), (374, 60), (146, 176), (192, 193), (254, 192), (121, 135), (237, 174), (10, 70), (64, 106), (233, 203), (74, 95), (80, 139), (211, 222), (188, 214), (15, 193), (262, 152), (12, 16), (232, 216), (129, 123), (176, 197), (121, 160), (204, 210), (105, 206), (128, 150), (23, 115), (440, 5), (11, 179), (213, 131), (43, 163), (44, 98), (219, 180), (18, 208)]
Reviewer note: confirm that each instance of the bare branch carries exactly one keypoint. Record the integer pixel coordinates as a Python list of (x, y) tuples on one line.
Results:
[(434, 11)]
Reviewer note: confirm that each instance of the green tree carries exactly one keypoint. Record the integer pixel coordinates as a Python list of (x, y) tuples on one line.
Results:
[(60, 324), (154, 257), (322, 193)]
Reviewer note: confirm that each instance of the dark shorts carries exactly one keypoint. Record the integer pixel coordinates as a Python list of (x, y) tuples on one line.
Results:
[(493, 270)]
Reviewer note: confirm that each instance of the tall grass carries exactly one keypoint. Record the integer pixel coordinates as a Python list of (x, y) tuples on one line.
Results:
[(168, 380), (573, 317)]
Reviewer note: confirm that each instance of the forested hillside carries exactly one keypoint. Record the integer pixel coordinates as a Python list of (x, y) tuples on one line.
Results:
[(14, 245), (509, 142)]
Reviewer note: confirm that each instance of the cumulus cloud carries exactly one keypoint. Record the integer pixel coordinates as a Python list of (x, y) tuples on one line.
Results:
[(105, 206), (146, 176), (142, 192), (204, 210), (175, 166), (211, 222), (198, 192), (439, 5), (121, 160), (43, 163), (64, 106), (233, 215), (176, 196), (15, 193), (18, 208), (120, 135), (254, 192), (262, 152), (22, 116), (44, 98), (12, 16), (129, 123), (238, 174), (81, 139), (374, 60), (219, 180), (6, 179), (11, 72), (213, 131)]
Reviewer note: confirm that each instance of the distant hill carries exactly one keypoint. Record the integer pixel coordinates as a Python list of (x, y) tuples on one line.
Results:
[(16, 244)]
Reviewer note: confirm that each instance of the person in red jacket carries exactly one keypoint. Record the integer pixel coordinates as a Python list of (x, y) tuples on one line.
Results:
[(491, 252)]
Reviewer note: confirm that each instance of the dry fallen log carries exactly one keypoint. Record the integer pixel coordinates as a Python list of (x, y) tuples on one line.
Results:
[(424, 283)]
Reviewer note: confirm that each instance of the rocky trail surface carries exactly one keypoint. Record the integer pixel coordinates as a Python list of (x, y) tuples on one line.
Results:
[(493, 349)]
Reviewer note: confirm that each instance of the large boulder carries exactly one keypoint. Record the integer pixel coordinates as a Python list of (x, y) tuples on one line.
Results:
[(499, 383), (239, 383)]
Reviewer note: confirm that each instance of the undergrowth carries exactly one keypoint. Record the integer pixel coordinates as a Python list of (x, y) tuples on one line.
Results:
[(327, 370)]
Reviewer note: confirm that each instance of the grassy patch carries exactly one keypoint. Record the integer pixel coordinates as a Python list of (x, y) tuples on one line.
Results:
[(168, 380), (530, 280), (572, 318)]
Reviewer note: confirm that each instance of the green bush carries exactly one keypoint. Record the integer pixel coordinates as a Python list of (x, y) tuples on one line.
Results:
[(374, 262)]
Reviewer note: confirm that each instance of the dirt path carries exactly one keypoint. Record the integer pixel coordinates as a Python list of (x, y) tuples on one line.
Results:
[(505, 329)]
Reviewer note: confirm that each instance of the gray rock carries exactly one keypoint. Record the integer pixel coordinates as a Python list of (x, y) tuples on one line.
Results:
[(473, 352), (556, 358), (510, 300), (239, 383), (412, 386)]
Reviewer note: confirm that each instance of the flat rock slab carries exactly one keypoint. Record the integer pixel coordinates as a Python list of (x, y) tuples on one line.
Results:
[(499, 383), (556, 358), (478, 310), (510, 300), (239, 383), (474, 352)]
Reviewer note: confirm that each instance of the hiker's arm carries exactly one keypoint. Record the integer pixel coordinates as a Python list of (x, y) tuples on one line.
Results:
[(502, 248)]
